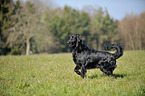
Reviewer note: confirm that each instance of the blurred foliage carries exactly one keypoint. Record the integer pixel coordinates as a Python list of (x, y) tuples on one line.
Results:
[(34, 27), (71, 21), (132, 31), (6, 10), (104, 29)]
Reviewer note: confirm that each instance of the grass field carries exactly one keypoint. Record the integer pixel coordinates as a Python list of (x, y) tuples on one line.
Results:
[(53, 75)]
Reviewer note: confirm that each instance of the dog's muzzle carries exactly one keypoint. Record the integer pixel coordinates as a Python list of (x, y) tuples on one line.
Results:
[(70, 43)]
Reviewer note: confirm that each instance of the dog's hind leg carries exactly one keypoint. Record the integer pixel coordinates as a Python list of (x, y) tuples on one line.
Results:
[(107, 67), (103, 65), (76, 69), (112, 67), (106, 71)]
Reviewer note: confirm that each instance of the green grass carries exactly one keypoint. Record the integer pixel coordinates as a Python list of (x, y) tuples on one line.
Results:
[(53, 75)]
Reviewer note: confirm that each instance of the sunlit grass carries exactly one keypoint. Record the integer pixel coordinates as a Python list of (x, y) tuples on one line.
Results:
[(53, 75)]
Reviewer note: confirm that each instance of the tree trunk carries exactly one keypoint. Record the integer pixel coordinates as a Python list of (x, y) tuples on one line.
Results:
[(131, 40), (28, 47), (99, 43)]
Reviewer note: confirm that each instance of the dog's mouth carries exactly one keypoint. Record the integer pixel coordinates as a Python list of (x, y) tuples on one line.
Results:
[(71, 45)]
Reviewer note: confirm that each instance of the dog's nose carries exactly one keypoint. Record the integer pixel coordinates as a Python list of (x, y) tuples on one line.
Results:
[(67, 42)]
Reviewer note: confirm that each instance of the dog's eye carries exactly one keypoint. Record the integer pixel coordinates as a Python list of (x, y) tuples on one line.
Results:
[(73, 38)]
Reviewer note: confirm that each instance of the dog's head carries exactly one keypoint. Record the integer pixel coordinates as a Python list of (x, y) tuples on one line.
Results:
[(75, 40)]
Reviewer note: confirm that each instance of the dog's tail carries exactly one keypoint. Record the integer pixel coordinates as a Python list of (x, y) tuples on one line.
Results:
[(119, 49)]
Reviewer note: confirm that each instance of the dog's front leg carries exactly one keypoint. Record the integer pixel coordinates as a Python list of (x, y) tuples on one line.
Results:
[(83, 71), (76, 69)]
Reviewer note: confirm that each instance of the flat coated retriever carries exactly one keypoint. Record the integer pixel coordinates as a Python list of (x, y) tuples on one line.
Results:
[(86, 58)]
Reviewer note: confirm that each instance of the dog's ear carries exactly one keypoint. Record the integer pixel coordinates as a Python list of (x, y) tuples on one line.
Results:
[(79, 39)]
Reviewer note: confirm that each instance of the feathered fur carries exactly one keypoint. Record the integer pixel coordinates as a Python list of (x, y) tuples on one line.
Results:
[(87, 58)]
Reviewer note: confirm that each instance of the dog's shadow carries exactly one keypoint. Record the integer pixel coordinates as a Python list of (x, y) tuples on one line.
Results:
[(114, 76), (119, 75)]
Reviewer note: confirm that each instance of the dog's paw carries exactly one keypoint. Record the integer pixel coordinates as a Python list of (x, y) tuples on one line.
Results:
[(83, 76)]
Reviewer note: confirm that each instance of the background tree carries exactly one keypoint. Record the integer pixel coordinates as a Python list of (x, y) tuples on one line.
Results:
[(39, 27), (25, 26), (141, 30), (71, 21), (132, 32), (6, 10), (104, 29)]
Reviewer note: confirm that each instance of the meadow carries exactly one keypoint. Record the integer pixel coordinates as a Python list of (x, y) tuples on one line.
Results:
[(53, 75)]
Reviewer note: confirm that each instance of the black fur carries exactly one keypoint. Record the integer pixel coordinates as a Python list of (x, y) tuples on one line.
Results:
[(86, 58)]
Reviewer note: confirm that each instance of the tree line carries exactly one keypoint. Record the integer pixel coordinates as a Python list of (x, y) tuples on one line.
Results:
[(33, 27)]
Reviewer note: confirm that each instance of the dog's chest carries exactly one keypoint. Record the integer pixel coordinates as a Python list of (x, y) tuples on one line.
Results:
[(80, 58)]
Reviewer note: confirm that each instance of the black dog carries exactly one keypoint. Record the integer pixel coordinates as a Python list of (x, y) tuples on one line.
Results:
[(86, 58)]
